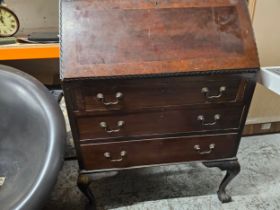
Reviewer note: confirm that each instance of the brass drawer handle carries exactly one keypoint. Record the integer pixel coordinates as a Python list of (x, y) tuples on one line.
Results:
[(202, 119), (206, 92), (101, 98), (211, 148), (122, 154), (104, 125)]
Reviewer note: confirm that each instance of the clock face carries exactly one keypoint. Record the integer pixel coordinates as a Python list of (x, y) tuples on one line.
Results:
[(9, 23)]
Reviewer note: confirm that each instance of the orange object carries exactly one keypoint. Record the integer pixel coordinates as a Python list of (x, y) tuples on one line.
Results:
[(29, 51)]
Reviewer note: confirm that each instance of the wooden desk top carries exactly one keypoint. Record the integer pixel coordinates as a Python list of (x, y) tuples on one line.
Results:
[(125, 37)]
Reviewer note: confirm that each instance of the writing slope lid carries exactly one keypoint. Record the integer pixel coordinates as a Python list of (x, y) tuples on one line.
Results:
[(128, 37)]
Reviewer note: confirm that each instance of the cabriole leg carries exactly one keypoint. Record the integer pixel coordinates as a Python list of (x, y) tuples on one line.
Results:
[(233, 168), (83, 184)]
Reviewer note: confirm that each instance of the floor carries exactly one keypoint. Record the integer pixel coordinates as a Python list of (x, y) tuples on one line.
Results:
[(188, 186)]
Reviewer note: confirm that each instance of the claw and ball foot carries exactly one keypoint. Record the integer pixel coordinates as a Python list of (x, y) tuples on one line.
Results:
[(83, 184), (233, 168)]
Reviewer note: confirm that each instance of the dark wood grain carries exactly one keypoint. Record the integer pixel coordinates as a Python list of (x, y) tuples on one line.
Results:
[(155, 92), (106, 38), (157, 151), (232, 169), (160, 122), (83, 183), (159, 55)]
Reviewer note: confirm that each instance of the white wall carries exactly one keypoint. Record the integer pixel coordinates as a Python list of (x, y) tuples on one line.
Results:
[(266, 24), (266, 104), (36, 15)]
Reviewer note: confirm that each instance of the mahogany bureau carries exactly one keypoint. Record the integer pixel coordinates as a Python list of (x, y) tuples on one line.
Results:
[(152, 82)]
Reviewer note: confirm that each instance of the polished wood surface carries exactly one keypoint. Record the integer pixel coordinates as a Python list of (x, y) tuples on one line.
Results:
[(232, 168), (124, 37), (156, 82), (155, 92), (157, 151), (161, 122)]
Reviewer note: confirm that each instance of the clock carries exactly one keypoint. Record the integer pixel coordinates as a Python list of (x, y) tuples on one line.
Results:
[(9, 23)]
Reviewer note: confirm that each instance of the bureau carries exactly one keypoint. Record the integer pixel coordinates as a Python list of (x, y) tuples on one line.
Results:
[(157, 82)]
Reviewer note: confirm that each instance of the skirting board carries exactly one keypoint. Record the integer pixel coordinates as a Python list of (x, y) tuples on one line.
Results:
[(261, 129)]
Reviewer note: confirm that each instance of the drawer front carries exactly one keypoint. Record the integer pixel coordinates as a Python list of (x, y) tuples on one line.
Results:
[(159, 122), (157, 151), (134, 94)]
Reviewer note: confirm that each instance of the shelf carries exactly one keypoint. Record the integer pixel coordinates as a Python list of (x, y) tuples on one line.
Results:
[(29, 51), (269, 77)]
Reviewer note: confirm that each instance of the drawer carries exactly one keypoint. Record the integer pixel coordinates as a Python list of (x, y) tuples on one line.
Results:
[(133, 94), (160, 122), (157, 151)]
